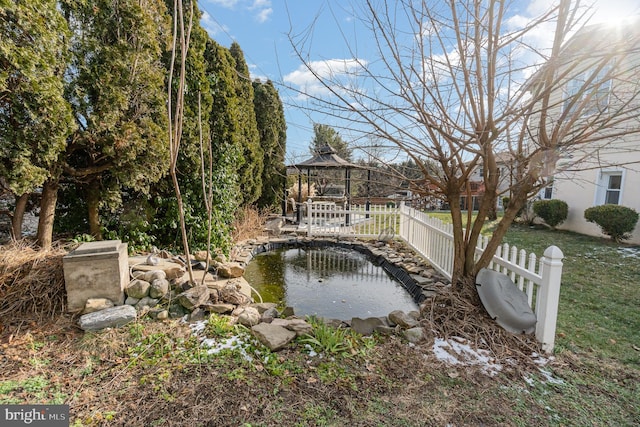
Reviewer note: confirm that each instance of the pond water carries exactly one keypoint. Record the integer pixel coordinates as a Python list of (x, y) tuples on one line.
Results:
[(328, 282)]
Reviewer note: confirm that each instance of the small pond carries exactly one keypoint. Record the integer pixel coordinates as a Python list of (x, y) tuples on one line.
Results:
[(327, 281)]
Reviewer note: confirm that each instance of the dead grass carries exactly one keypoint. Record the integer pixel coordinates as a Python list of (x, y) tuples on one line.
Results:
[(460, 313), (31, 282), (249, 223)]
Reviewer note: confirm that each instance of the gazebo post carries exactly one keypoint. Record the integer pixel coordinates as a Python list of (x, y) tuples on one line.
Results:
[(284, 197), (347, 188), (368, 204), (299, 206)]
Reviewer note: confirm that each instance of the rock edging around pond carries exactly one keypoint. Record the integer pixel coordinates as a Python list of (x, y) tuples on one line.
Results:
[(160, 298)]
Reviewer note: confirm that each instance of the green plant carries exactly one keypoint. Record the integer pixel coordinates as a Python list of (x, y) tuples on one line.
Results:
[(553, 212), (615, 221), (83, 238), (324, 338), (219, 326)]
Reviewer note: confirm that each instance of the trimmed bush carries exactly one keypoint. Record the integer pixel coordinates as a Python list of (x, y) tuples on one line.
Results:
[(553, 212), (615, 221), (505, 202)]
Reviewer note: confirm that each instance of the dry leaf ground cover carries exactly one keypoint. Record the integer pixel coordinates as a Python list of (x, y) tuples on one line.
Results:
[(159, 373)]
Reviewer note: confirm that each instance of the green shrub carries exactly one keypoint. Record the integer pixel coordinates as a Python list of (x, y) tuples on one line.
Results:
[(615, 221), (553, 212), (505, 202)]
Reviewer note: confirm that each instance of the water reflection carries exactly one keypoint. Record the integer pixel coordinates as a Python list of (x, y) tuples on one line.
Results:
[(328, 281)]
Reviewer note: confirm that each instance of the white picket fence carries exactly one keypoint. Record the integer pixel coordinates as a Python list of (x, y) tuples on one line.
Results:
[(433, 239)]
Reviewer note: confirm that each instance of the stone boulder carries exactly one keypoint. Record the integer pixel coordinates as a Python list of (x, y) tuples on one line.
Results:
[(249, 316), (107, 318), (367, 326), (159, 288), (299, 326), (150, 276), (231, 294), (272, 336), (97, 304), (413, 335), (230, 270), (399, 317), (194, 297), (138, 288)]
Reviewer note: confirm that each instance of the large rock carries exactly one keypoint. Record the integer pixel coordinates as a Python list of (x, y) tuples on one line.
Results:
[(399, 317), (264, 306), (249, 317), (159, 288), (138, 288), (194, 297), (231, 294), (108, 318), (150, 276), (220, 308), (230, 270), (273, 336), (367, 326), (299, 326), (97, 304), (414, 335), (147, 302), (171, 269)]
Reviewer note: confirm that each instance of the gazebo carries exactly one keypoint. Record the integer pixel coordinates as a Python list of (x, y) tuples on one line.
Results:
[(326, 158)]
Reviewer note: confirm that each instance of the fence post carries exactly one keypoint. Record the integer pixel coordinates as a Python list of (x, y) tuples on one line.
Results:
[(548, 297), (309, 204)]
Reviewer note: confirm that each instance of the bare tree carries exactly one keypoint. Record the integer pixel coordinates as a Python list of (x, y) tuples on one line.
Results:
[(451, 85), (181, 36)]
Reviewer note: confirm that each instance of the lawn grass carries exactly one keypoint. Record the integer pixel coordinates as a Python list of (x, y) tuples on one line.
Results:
[(599, 308), (599, 295), (157, 373)]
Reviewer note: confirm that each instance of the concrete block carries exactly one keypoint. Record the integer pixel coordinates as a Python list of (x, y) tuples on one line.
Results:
[(96, 270)]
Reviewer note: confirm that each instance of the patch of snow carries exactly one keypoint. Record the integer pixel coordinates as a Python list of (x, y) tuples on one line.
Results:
[(550, 378), (215, 346), (310, 351), (458, 351), (633, 252)]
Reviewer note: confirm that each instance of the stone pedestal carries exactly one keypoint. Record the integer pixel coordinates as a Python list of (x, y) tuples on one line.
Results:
[(96, 270)]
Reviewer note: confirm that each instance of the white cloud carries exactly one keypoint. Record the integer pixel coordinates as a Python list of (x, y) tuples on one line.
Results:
[(330, 71), (264, 15), (211, 26), (229, 4), (261, 4), (263, 8)]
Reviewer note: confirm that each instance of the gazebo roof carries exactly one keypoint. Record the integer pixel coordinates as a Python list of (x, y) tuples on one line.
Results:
[(326, 158)]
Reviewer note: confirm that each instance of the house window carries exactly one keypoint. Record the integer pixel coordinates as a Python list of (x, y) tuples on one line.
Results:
[(547, 192), (592, 85), (609, 188)]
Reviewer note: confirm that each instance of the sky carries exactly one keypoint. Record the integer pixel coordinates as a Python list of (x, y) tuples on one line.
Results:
[(263, 29)]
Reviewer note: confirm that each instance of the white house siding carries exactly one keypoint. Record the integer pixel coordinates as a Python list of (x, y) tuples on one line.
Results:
[(582, 189), (578, 169)]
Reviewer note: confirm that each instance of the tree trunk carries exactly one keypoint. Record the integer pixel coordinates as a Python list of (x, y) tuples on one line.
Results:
[(18, 216), (47, 213), (93, 209)]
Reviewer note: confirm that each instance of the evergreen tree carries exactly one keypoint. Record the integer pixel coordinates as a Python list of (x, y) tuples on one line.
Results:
[(273, 137), (116, 88), (225, 145), (251, 170), (326, 135), (164, 204), (35, 119)]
